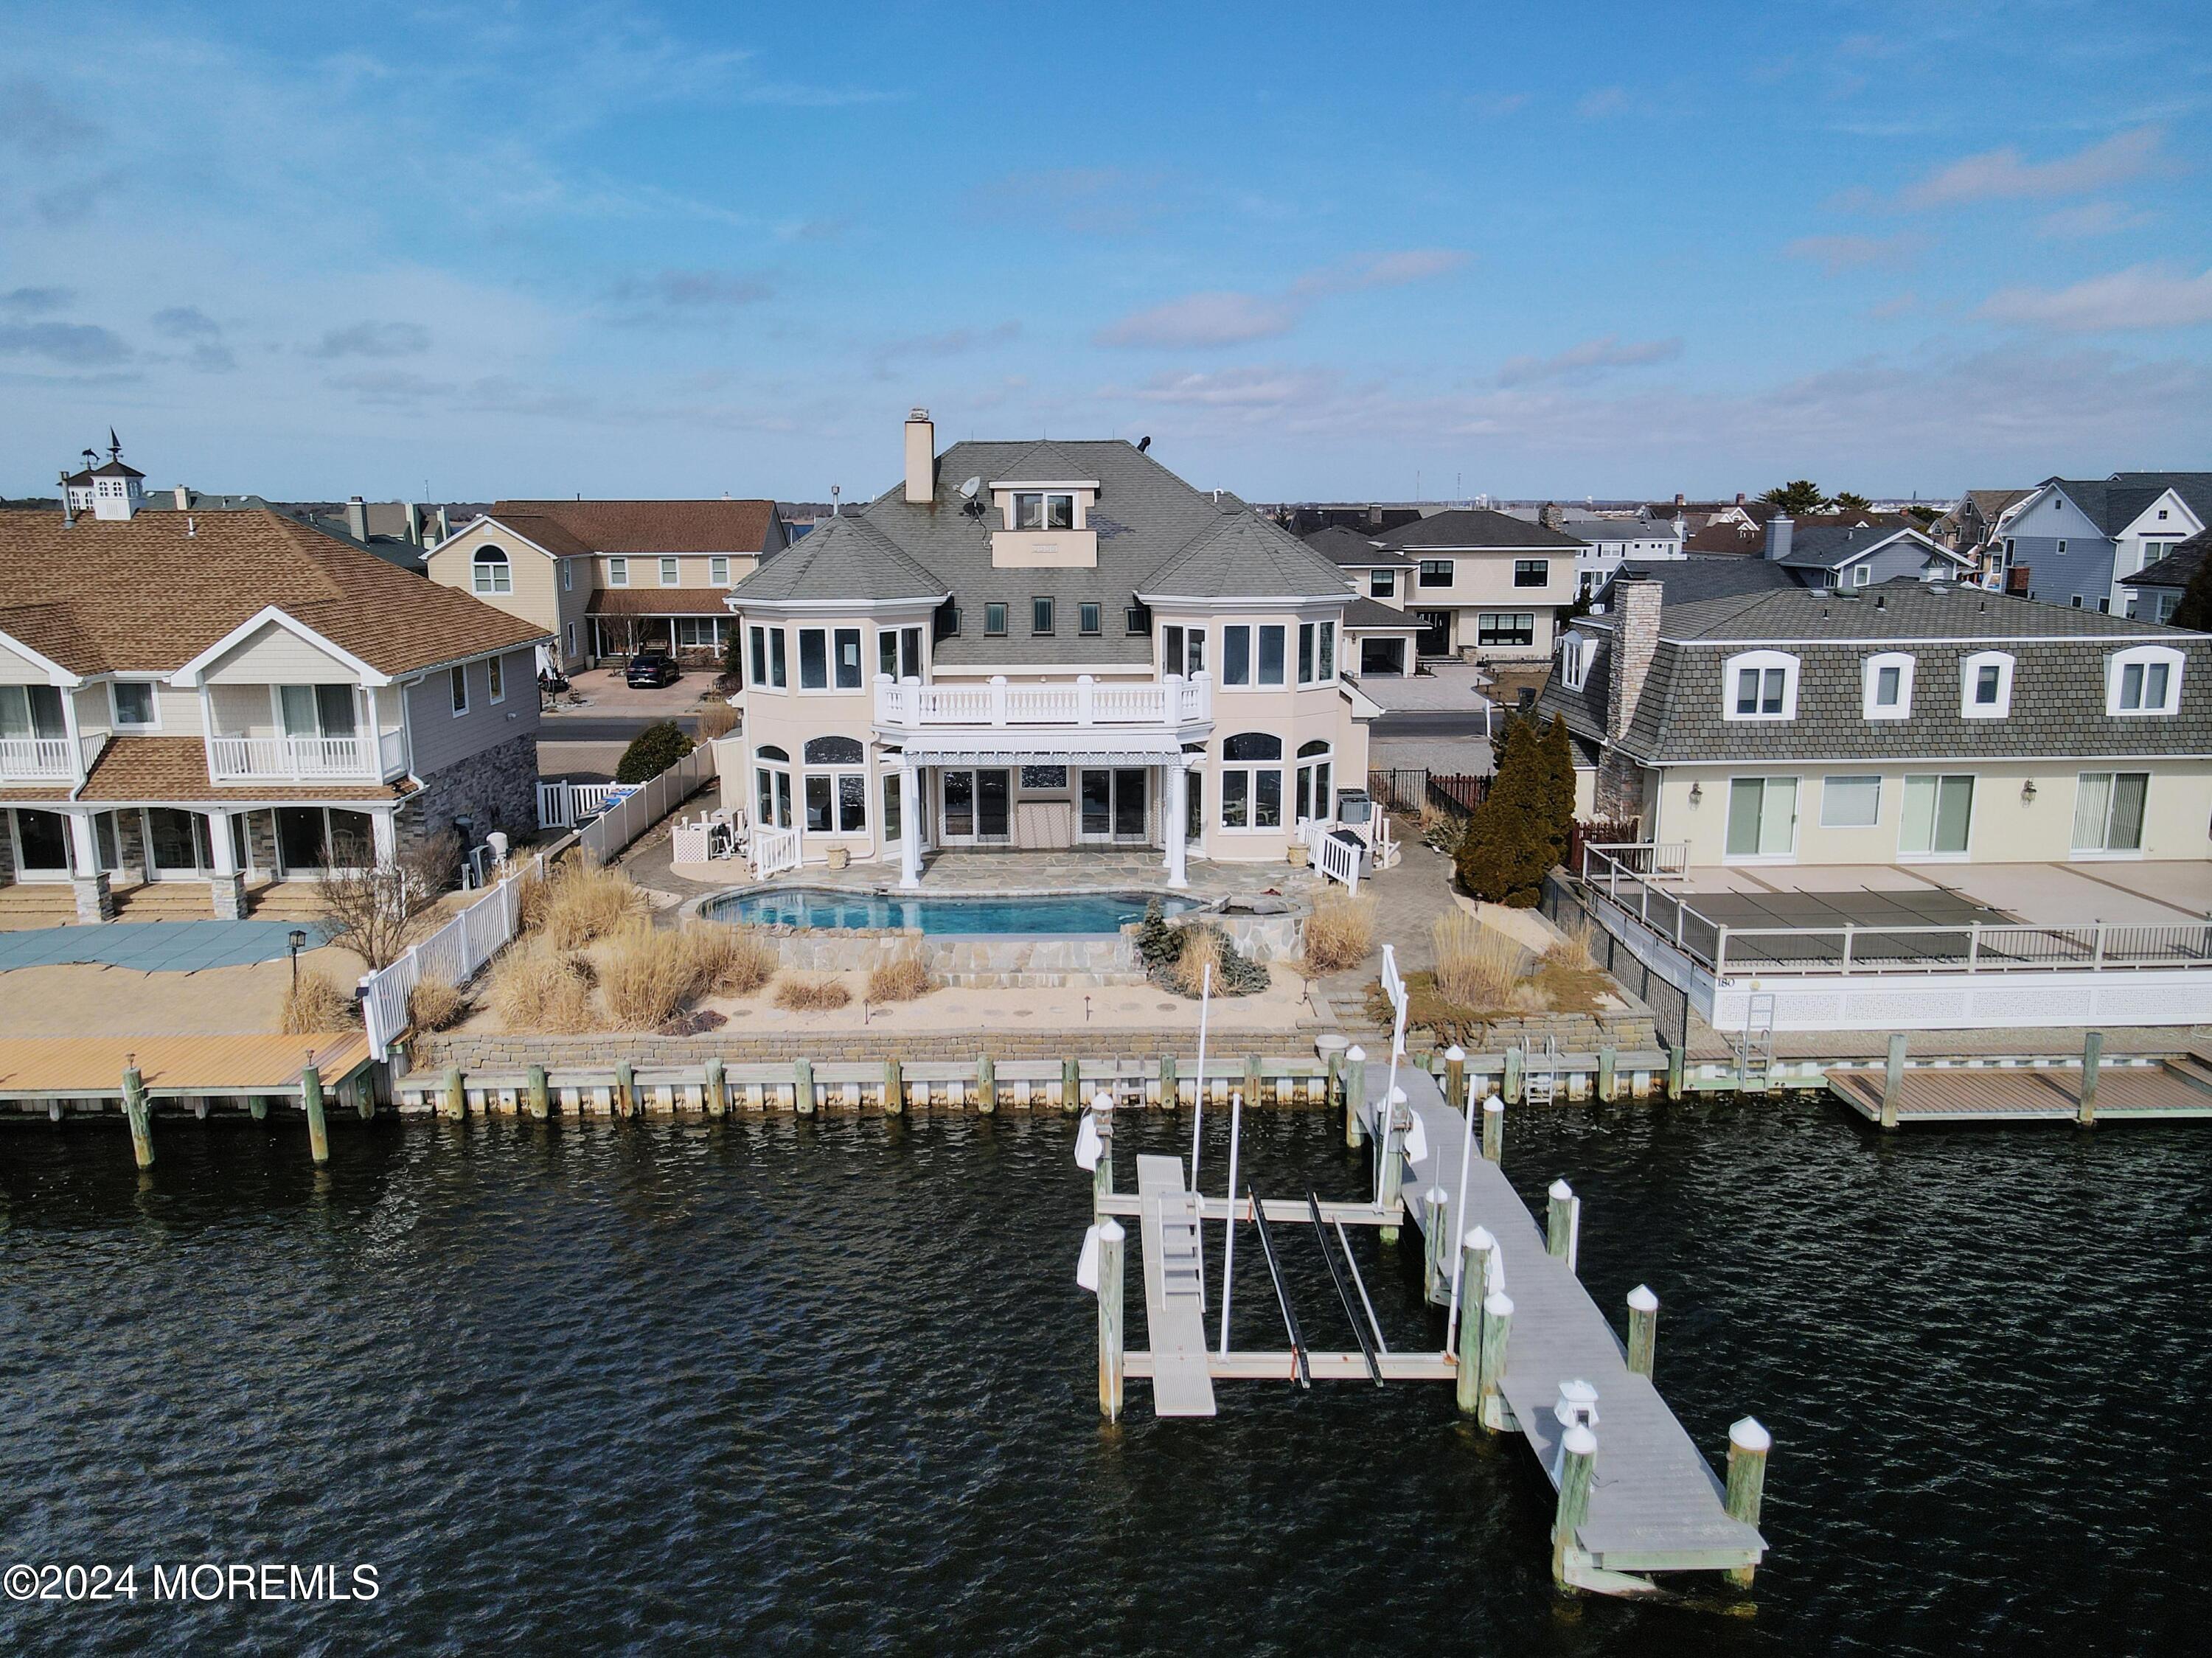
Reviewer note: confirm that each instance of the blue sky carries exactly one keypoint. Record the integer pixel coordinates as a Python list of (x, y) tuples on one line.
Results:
[(1313, 251)]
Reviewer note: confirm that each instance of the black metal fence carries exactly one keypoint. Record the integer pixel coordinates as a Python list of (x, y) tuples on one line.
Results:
[(1410, 789)]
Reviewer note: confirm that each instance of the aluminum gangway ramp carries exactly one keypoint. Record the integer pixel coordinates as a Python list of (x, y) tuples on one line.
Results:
[(1174, 1302), (1656, 1504)]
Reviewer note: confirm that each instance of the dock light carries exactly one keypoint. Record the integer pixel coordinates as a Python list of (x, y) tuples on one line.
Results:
[(299, 943)]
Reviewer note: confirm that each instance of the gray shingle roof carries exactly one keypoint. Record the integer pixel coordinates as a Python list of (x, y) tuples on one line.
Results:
[(1713, 575), (848, 558), (1365, 615), (1829, 547), (1352, 550), (1902, 611), (2113, 503), (1475, 526), (2177, 568), (1241, 554)]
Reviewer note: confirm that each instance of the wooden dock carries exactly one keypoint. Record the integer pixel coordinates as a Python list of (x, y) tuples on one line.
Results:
[(1175, 1298), (83, 1068), (1655, 1503), (2172, 1088)]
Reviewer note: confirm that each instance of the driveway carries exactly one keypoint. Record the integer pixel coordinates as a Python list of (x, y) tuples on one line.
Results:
[(610, 712), (1453, 687)]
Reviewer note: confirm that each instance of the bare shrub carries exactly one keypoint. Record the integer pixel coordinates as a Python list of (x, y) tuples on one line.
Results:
[(1477, 967), (645, 975), (716, 718), (535, 987), (375, 912), (727, 961), (435, 1005), (533, 893), (1573, 952), (1201, 948), (805, 995), (585, 903), (900, 979), (1340, 933), (314, 1004)]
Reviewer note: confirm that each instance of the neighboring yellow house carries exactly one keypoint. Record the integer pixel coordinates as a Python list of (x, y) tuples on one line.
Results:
[(611, 577), (1046, 644)]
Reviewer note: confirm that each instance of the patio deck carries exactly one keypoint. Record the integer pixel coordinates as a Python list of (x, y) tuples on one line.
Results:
[(2157, 892)]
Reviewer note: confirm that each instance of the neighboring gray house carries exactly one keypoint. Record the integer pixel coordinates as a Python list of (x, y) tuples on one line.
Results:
[(1860, 555), (2156, 589), (2079, 539)]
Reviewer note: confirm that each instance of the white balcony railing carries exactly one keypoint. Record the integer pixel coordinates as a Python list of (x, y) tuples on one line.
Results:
[(292, 756), (1167, 703), (37, 759)]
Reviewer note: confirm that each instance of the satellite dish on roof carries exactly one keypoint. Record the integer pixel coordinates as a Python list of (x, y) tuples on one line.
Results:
[(968, 489)]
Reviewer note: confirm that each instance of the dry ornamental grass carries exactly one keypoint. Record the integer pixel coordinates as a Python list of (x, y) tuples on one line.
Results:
[(1201, 950), (646, 974), (805, 995), (716, 718), (726, 961), (538, 986), (900, 979), (435, 1005), (315, 1005), (584, 904), (1477, 967), (1340, 933)]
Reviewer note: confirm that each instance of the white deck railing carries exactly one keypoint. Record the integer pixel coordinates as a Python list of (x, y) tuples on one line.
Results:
[(37, 759), (1172, 702), (564, 806), (774, 850), (356, 757), (1333, 855), (1854, 949), (454, 953)]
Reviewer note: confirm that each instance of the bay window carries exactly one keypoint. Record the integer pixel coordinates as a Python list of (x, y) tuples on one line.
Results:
[(1252, 781), (835, 786)]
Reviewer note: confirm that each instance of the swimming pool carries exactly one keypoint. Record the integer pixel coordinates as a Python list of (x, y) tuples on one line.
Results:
[(1051, 914)]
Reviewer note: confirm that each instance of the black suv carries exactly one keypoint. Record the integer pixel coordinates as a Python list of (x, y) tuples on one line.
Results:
[(650, 669)]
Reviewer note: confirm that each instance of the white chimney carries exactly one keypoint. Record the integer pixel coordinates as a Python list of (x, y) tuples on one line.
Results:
[(358, 518), (183, 498), (1780, 530), (920, 459)]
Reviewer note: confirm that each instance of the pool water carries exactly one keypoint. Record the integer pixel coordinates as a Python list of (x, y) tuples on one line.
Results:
[(1053, 913)]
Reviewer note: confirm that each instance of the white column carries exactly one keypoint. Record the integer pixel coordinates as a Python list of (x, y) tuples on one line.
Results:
[(1178, 808), (383, 831), (226, 858), (84, 844), (910, 826)]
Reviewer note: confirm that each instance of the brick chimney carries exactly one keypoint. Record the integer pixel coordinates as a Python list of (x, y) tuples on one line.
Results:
[(1636, 599), (1779, 530), (920, 459), (1551, 515)]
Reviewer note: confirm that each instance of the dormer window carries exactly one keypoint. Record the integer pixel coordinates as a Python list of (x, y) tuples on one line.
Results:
[(2146, 680), (1887, 690), (1043, 510), (1985, 686), (1760, 685)]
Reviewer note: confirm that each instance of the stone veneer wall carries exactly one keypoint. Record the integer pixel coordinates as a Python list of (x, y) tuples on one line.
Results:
[(7, 856), (497, 787)]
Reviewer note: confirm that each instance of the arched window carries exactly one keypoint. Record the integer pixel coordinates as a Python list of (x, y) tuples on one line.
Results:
[(1314, 797), (491, 571), (1252, 793), (832, 751), (770, 751)]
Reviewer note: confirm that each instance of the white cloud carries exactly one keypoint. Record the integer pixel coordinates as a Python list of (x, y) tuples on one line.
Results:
[(1839, 253), (1588, 360), (1203, 319), (2142, 296), (2005, 175), (2106, 218), (1363, 270)]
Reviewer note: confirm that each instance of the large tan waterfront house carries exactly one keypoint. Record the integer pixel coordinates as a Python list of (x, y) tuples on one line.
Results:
[(230, 698), (1046, 644), (611, 577)]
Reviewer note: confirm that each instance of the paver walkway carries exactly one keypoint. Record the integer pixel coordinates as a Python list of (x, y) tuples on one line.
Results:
[(155, 946)]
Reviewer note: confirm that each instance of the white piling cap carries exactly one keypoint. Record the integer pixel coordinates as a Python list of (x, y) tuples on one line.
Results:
[(1578, 1441), (1434, 1195), (1560, 1190), (1480, 1240), (1109, 1231), (1355, 1052), (1397, 1096), (1493, 1104), (1748, 1436), (1497, 1304), (1454, 1053), (1642, 1300), (1101, 1101)]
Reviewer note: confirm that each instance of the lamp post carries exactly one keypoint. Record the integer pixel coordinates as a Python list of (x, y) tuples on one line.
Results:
[(298, 940)]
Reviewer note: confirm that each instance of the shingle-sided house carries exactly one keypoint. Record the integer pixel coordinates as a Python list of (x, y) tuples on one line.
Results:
[(1487, 586), (235, 697), (611, 577), (1045, 644), (2156, 589), (1901, 724)]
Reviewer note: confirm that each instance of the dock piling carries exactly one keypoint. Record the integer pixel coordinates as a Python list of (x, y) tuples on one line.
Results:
[(1643, 1329), (1608, 1065), (257, 1107), (1562, 1221), (1578, 1471), (894, 1087), (457, 1099), (1510, 1084), (626, 1089), (1355, 1095), (1496, 1330), (541, 1099), (1675, 1072), (1436, 1247), (1071, 1083), (1102, 1178), (1493, 1129), (1749, 1444), (802, 1086), (717, 1089), (318, 1131), (2093, 1054), (1393, 1163), (1252, 1080), (1455, 1076), (139, 1110), (1473, 1290), (1892, 1079), (1110, 1235)]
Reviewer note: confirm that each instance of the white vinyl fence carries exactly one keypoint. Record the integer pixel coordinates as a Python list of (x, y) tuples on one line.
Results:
[(564, 805), (455, 953), (625, 819)]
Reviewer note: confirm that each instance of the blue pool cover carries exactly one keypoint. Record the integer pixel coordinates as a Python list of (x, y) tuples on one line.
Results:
[(155, 946), (1055, 914)]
